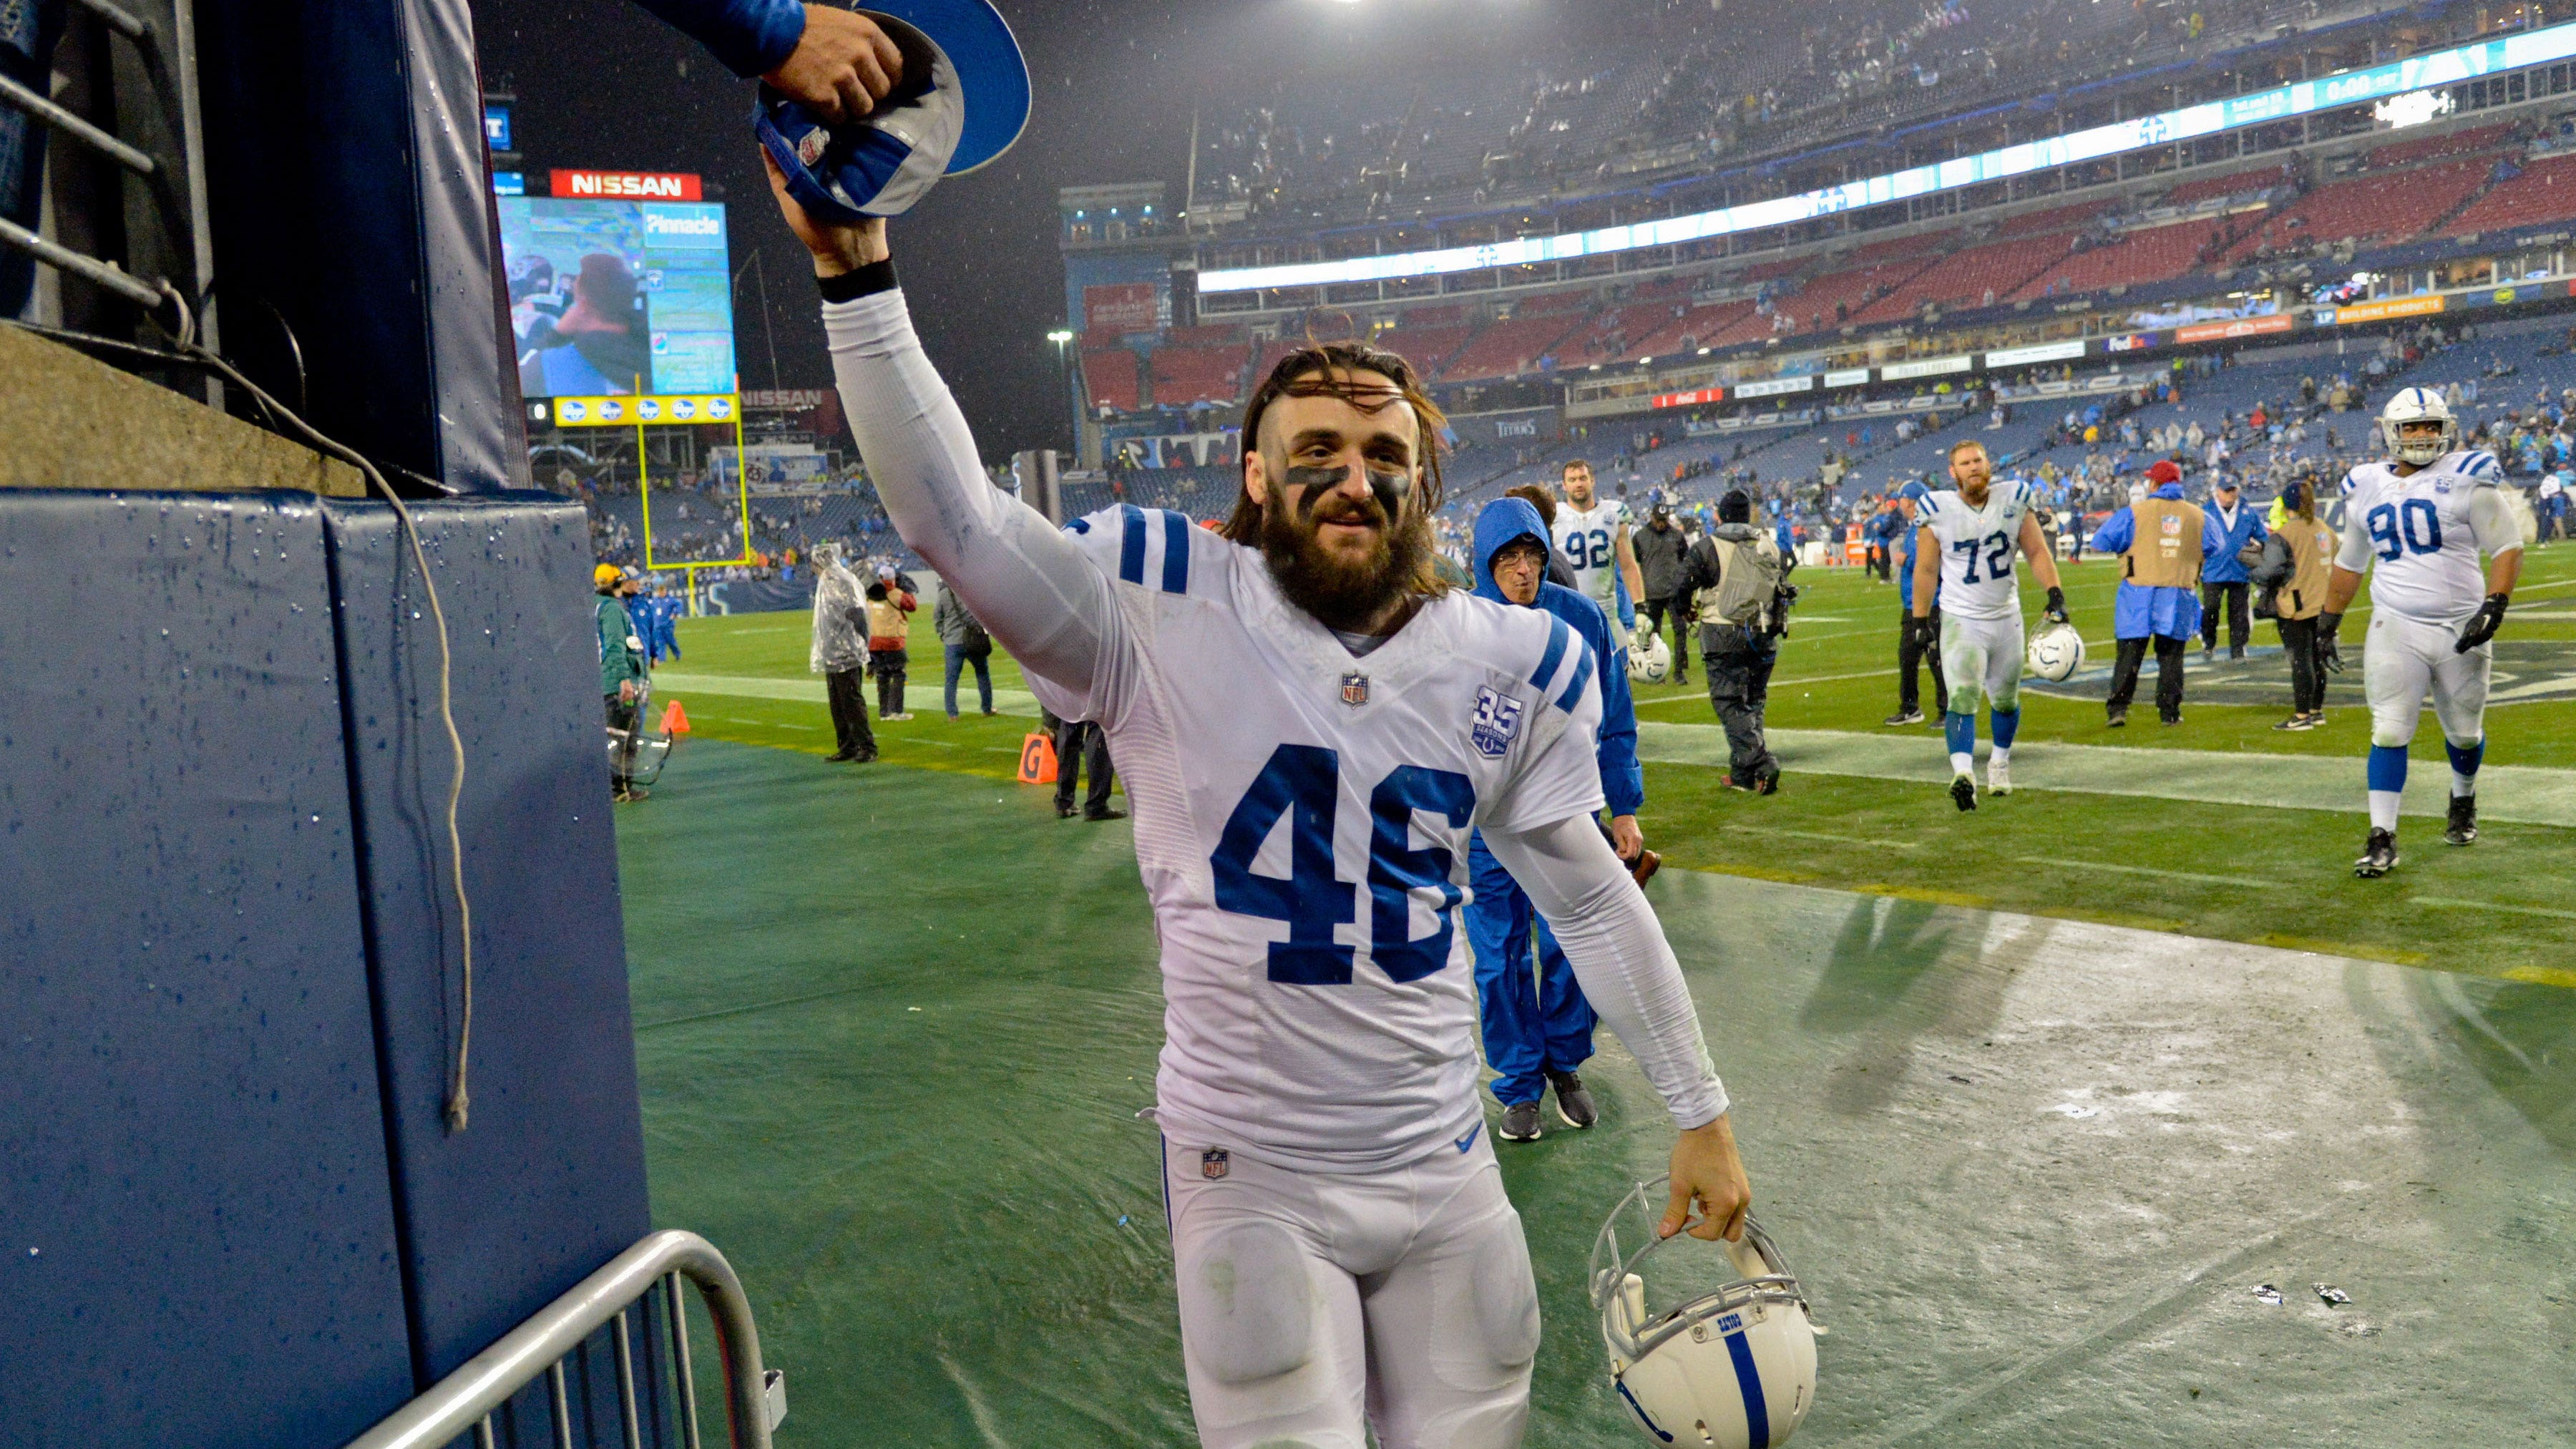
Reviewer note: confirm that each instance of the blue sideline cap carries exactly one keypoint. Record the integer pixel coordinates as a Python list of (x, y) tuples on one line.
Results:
[(962, 102)]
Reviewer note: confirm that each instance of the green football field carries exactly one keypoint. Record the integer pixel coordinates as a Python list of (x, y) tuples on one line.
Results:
[(2035, 1099), (894, 1027), (2219, 827)]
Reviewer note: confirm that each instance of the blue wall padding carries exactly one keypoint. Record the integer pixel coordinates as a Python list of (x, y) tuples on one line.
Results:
[(547, 1182), (197, 1237), (366, 115)]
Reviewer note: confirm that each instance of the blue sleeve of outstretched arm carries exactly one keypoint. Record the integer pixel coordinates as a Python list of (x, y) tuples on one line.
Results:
[(2114, 534), (1623, 782), (751, 37)]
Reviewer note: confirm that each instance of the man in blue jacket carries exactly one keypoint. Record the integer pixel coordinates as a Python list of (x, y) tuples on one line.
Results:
[(1538, 1030), (2223, 574), (1915, 648), (2163, 542)]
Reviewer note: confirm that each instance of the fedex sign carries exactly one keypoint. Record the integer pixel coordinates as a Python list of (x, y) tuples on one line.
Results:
[(627, 185)]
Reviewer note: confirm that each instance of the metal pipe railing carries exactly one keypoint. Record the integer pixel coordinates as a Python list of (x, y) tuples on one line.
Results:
[(63, 120), (466, 1399), (107, 275)]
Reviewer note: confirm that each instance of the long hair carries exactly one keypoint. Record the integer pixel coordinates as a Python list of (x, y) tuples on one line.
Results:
[(1323, 369)]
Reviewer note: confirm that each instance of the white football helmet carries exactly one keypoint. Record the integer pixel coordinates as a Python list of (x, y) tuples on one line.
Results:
[(1723, 1365), (2056, 652), (1650, 662), (2417, 405)]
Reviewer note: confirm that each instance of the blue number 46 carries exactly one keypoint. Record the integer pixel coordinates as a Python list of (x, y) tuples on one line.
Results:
[(1303, 782)]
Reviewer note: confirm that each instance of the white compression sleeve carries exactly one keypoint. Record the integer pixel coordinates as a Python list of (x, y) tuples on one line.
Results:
[(1619, 955), (2493, 523), (1027, 582)]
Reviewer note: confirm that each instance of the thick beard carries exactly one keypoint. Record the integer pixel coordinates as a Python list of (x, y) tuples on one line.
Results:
[(1340, 594)]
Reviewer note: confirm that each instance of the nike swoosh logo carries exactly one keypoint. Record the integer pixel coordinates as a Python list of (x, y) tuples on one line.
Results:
[(1470, 1139)]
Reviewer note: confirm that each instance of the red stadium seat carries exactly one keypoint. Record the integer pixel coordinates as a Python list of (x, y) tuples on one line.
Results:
[(2149, 254), (2545, 191), (1110, 378)]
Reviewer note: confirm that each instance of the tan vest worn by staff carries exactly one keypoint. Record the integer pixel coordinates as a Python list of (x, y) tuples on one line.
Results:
[(2165, 554), (2312, 548)]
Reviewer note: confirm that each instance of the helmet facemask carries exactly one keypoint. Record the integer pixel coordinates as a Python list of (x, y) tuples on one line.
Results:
[(2411, 408)]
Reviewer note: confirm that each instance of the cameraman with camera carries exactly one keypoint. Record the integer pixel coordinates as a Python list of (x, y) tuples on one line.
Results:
[(1740, 627)]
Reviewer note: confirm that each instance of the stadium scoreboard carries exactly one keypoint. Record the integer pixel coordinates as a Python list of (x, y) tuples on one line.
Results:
[(620, 287)]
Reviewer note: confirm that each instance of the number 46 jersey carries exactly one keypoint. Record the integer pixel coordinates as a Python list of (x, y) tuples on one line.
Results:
[(1978, 546), (2419, 537), (1301, 821)]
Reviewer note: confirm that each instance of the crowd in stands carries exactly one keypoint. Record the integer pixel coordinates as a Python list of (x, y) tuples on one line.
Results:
[(2273, 223)]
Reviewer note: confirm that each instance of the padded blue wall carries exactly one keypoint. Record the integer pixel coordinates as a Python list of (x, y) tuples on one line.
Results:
[(197, 1240), (556, 1135), (231, 1213)]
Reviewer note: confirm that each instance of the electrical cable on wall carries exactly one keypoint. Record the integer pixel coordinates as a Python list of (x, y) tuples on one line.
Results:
[(188, 352)]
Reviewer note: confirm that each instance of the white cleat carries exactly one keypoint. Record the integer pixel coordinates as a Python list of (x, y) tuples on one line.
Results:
[(1998, 778)]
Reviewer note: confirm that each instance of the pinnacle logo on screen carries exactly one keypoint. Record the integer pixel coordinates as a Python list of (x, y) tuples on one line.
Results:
[(627, 185)]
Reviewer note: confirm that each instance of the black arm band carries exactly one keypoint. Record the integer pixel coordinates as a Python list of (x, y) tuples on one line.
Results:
[(867, 281)]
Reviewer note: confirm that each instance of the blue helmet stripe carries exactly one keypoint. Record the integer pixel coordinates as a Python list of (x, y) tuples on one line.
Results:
[(1748, 1382)]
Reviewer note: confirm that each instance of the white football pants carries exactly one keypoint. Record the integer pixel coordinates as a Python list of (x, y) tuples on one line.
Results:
[(1981, 660), (1316, 1307), (2401, 658)]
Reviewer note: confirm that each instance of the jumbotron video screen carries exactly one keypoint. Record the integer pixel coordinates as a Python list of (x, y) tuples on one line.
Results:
[(611, 296)]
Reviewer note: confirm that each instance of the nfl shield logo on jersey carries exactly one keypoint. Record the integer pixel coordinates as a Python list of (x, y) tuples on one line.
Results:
[(1498, 719), (1213, 1163), (1355, 689)]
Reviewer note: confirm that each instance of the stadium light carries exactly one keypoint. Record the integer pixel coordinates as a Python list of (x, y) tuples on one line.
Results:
[(1060, 336)]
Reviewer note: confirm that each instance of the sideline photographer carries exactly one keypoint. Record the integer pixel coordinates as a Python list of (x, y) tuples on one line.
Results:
[(1741, 624)]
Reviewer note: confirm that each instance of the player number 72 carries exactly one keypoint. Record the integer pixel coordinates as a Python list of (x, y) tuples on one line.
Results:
[(1304, 782), (1996, 549)]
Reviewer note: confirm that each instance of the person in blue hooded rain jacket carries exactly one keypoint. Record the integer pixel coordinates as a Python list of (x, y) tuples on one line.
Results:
[(2159, 596), (1537, 1027)]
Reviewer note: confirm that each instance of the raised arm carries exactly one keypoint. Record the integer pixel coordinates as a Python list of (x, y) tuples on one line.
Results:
[(1028, 582)]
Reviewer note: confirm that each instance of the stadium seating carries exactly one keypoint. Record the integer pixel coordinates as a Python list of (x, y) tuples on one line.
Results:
[(2375, 207), (1110, 379), (1963, 279), (2545, 191), (2234, 183), (1509, 348), (1187, 376), (2149, 254), (2434, 148)]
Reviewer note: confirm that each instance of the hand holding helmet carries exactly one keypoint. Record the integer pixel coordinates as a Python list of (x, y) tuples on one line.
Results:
[(1703, 1352)]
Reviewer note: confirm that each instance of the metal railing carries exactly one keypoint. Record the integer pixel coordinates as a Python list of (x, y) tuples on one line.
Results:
[(466, 1400), (175, 182)]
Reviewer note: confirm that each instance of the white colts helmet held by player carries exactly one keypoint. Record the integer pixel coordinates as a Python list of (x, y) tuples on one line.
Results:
[(2418, 405), (2055, 653), (1724, 1362), (1650, 662)]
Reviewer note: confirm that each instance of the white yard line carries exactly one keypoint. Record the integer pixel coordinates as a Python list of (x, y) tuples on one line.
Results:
[(2466, 905), (2524, 793), (2069, 863)]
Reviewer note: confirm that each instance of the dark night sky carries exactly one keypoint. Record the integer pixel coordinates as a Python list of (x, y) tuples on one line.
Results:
[(603, 84)]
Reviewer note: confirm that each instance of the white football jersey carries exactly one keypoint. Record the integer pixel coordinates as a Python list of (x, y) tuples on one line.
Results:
[(1301, 822), (1590, 539), (2417, 538), (1978, 549)]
